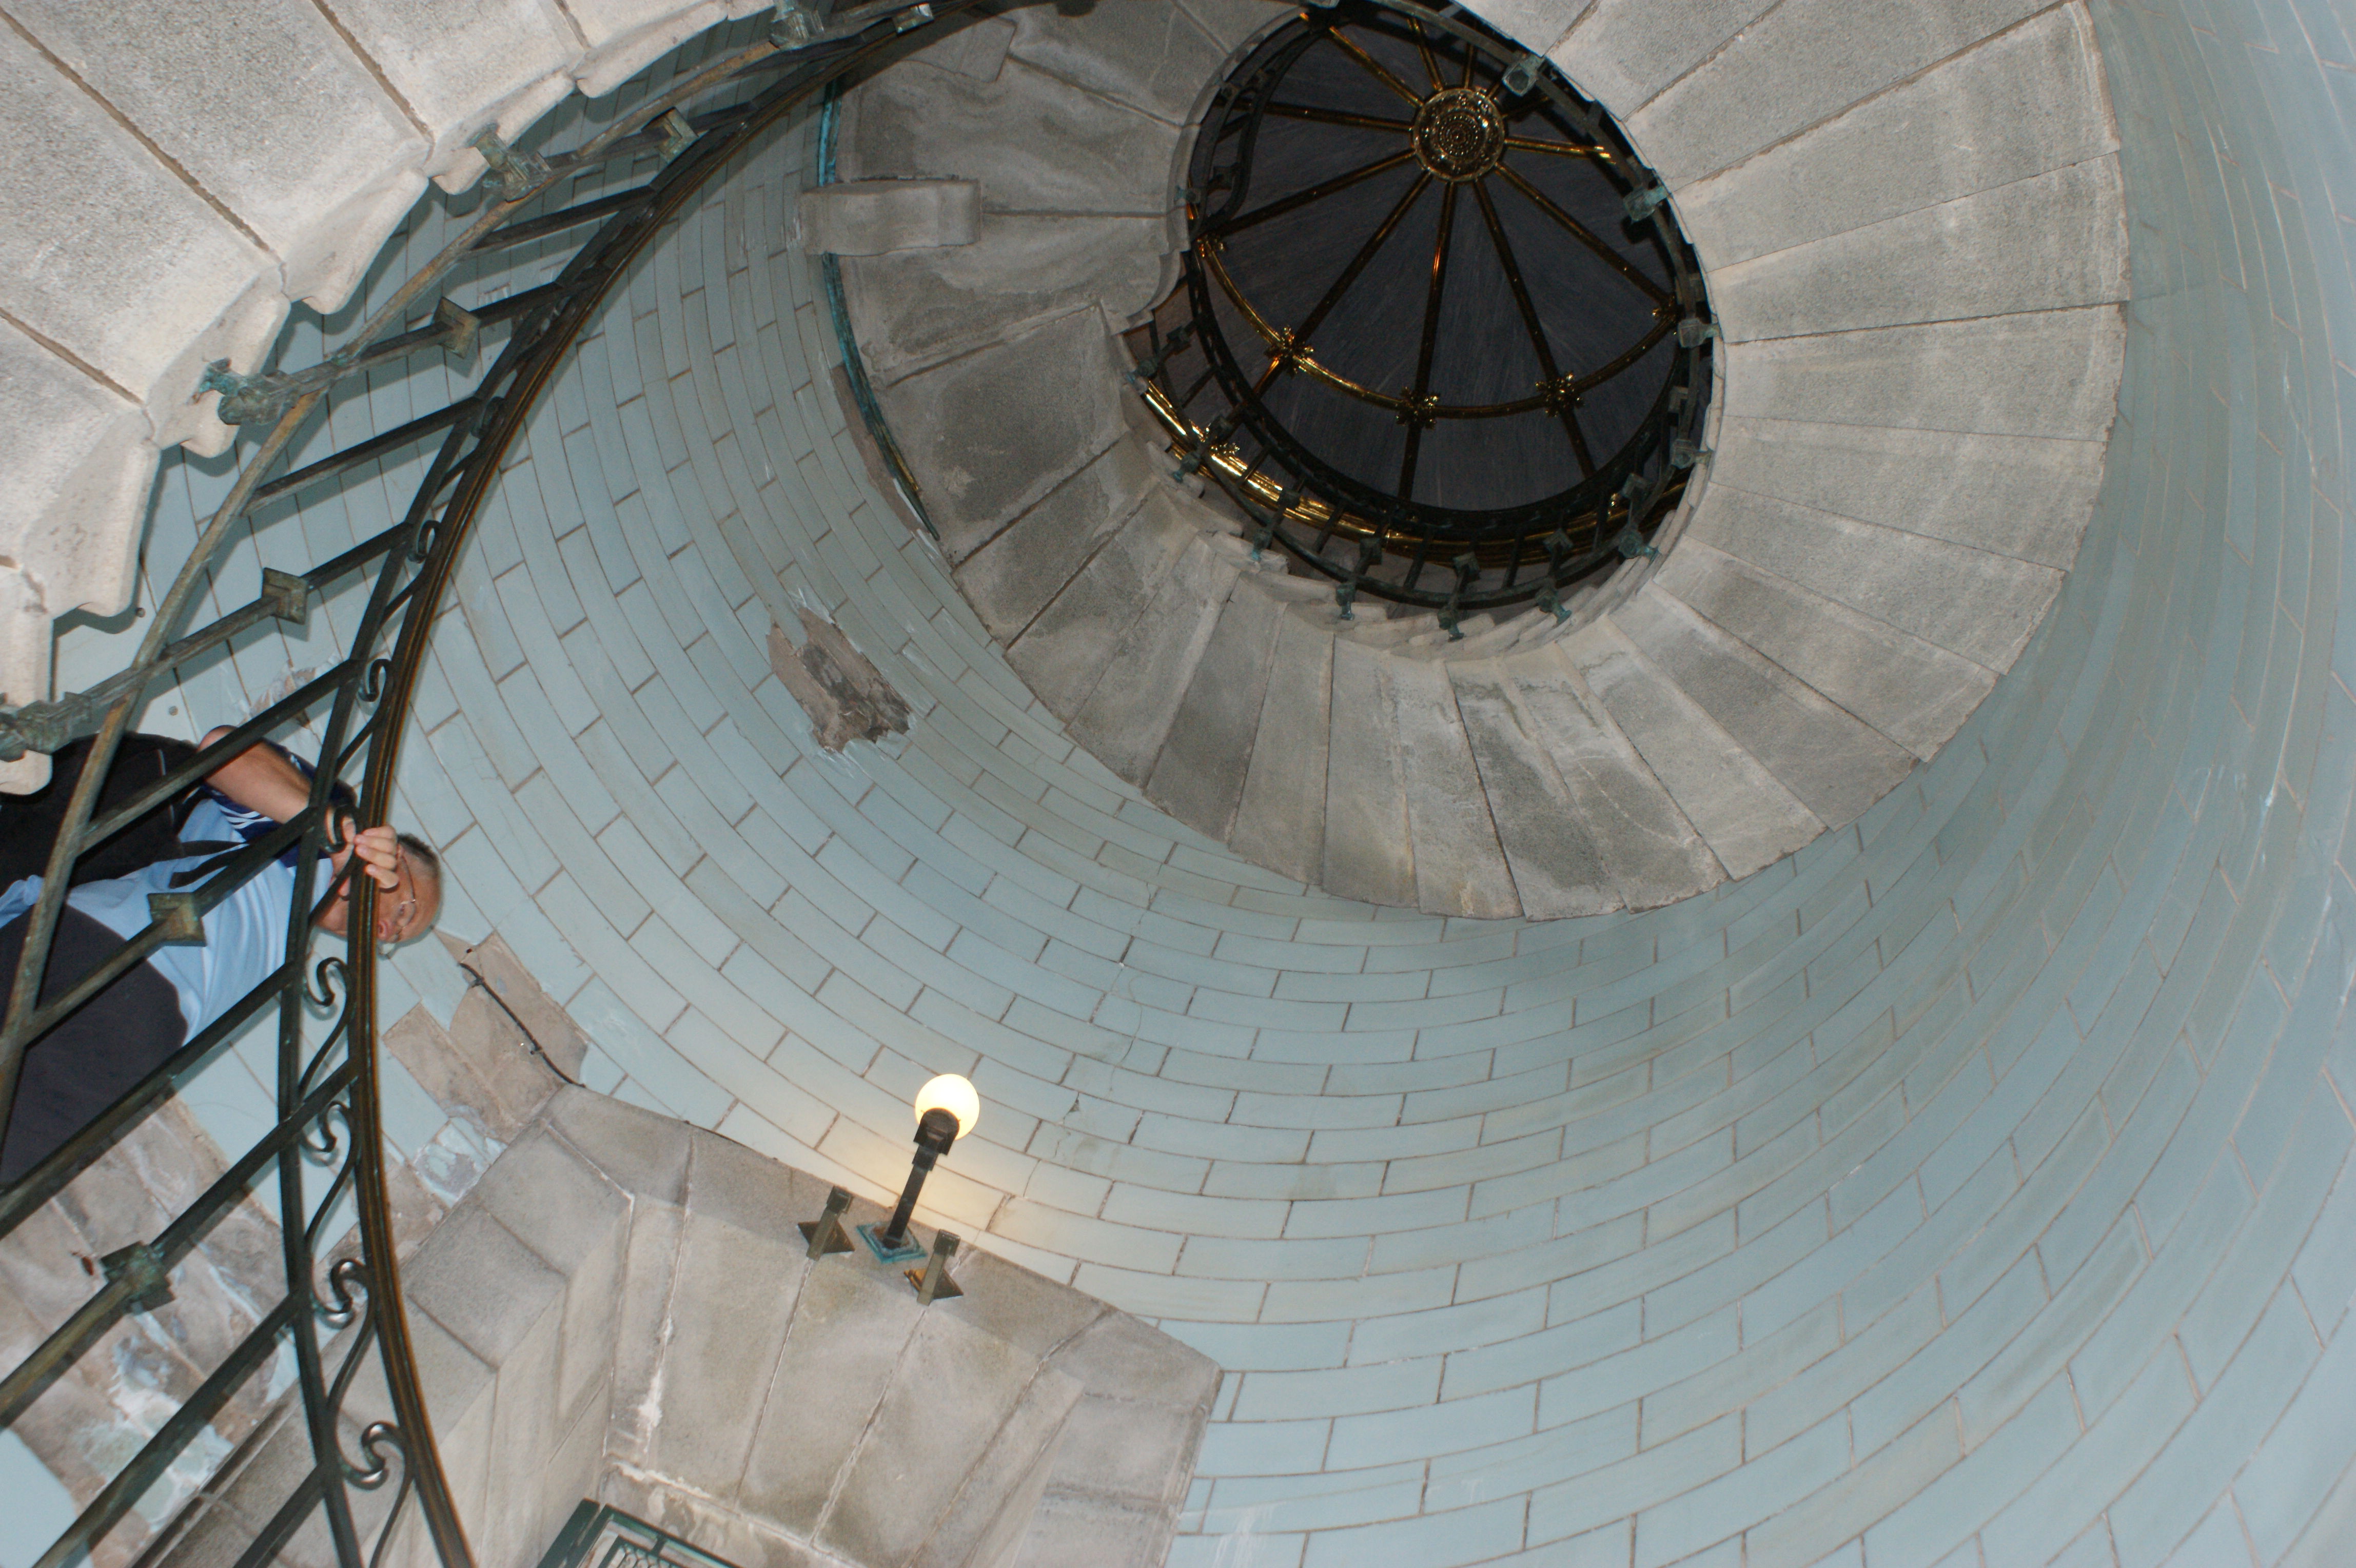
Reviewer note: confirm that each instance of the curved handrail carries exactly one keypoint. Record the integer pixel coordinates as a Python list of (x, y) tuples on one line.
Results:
[(331, 1082)]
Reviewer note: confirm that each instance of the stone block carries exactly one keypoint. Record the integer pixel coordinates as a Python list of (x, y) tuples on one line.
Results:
[(1459, 867), (78, 468), (1035, 143), (1009, 577), (1650, 852), (1557, 871), (541, 1016), (1915, 693), (1621, 53), (649, 1273), (524, 1431), (1233, 22), (708, 1394), (915, 308), (2051, 374), (978, 48), (2049, 242), (1748, 818), (1835, 763), (144, 270), (1198, 777), (951, 1392), (1136, 697), (1117, 1356), (2031, 96), (840, 1354), (461, 65), (1536, 25), (1149, 55), (869, 216), (994, 1501), (641, 1150), (1064, 648), (1970, 602), (551, 1200), (988, 435), (1368, 842), (189, 77), (2022, 497), (1281, 817), (1808, 60), (1083, 1532), (476, 1280)]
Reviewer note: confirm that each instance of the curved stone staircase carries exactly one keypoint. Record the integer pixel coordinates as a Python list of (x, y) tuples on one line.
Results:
[(202, 168), (1916, 253)]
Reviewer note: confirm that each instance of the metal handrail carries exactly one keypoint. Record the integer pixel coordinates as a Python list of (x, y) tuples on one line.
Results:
[(328, 1088)]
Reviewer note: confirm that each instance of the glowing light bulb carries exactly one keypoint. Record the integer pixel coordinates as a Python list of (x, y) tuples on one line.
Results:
[(954, 1095)]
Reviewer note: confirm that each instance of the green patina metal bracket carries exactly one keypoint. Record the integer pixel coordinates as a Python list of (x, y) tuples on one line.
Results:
[(140, 1267)]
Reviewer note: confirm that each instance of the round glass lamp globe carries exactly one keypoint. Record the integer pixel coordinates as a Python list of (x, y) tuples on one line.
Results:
[(954, 1095)]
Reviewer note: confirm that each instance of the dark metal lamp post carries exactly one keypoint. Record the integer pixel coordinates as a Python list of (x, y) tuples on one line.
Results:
[(947, 1107)]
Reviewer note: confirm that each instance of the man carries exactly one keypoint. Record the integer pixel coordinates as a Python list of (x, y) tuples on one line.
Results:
[(103, 1049)]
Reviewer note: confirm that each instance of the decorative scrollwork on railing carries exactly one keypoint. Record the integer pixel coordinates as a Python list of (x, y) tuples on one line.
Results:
[(328, 1113), (345, 1277)]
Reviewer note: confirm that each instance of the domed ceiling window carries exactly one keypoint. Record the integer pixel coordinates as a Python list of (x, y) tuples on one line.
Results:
[(1436, 336)]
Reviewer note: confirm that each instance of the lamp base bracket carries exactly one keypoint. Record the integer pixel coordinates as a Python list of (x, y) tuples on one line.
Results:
[(907, 1252)]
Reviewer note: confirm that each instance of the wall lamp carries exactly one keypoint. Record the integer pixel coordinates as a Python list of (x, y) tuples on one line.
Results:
[(946, 1108)]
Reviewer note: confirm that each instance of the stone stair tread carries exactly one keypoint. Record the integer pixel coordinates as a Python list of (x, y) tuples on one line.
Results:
[(1012, 575), (1913, 693), (1367, 848), (1206, 757), (1039, 407), (1128, 715), (1557, 869), (1833, 761), (1279, 821), (1460, 868), (1064, 650), (1369, 631), (1652, 855), (1970, 602), (1745, 816)]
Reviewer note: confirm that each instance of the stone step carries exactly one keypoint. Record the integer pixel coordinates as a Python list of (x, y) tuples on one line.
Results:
[(1650, 852), (1280, 820), (1974, 603), (1127, 715), (1011, 575), (1748, 818), (1557, 867), (1200, 774), (1835, 764), (1460, 868), (1367, 843), (1369, 631), (1916, 693), (1065, 648), (1437, 644)]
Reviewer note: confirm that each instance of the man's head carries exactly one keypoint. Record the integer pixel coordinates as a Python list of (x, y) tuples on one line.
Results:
[(407, 908)]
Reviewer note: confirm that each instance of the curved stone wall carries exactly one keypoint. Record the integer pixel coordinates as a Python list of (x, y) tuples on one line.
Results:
[(1867, 550), (1971, 1187)]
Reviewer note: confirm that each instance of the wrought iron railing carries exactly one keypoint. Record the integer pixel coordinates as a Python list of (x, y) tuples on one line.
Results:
[(326, 1148), (1463, 107)]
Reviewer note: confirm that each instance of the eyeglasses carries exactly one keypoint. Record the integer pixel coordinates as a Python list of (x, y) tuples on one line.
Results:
[(397, 919)]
